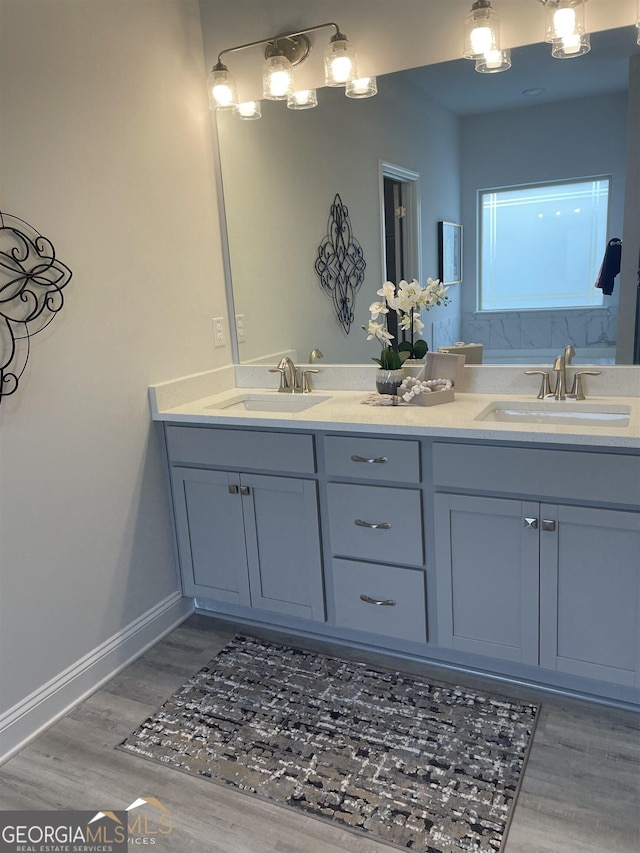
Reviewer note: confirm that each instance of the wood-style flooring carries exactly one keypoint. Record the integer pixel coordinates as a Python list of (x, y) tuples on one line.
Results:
[(580, 793)]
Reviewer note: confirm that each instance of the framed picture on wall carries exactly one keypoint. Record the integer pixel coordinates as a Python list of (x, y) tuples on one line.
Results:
[(449, 253)]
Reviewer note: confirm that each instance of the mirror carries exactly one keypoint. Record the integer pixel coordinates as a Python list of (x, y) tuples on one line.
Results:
[(280, 175)]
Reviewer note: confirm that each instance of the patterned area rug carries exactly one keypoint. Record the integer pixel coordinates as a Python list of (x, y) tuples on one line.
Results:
[(422, 766)]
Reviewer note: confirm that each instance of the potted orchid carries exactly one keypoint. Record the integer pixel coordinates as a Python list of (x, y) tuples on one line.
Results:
[(406, 301)]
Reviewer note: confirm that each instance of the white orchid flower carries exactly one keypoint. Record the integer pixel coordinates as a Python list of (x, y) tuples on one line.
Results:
[(387, 291), (377, 331), (377, 308), (418, 325)]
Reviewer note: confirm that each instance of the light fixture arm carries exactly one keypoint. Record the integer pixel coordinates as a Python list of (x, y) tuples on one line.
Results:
[(274, 39)]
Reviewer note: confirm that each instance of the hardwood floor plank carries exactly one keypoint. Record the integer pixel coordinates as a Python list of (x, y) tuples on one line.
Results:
[(580, 792)]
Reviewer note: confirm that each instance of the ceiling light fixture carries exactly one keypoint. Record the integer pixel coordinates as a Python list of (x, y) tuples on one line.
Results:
[(282, 53), (565, 28), (494, 61)]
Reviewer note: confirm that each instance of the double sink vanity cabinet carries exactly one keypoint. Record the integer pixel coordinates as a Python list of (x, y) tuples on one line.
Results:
[(510, 558)]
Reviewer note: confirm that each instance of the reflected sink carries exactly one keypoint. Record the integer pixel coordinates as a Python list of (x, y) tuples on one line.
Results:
[(556, 412), (273, 402)]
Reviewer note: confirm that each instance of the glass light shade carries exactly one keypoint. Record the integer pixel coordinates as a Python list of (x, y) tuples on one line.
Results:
[(564, 19), (305, 99), (481, 30), (339, 62), (494, 61), (277, 78), (571, 46), (362, 87), (249, 110), (222, 89)]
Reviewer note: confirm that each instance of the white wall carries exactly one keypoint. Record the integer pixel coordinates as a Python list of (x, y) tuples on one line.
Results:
[(106, 150)]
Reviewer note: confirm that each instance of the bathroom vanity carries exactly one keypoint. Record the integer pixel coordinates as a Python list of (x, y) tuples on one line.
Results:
[(506, 549)]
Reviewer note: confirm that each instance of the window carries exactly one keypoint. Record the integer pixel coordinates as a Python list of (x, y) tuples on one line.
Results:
[(541, 246)]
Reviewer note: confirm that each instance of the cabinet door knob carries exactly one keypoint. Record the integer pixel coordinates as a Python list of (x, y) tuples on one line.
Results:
[(388, 602), (378, 460), (531, 522), (244, 490), (548, 524), (381, 525), (233, 490)]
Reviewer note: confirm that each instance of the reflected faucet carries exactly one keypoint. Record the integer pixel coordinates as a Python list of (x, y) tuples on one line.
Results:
[(559, 368), (314, 354), (569, 353)]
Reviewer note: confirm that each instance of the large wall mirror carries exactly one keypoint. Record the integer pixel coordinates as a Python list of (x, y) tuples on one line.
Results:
[(459, 131)]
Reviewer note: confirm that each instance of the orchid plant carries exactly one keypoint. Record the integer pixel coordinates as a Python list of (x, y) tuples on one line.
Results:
[(407, 300)]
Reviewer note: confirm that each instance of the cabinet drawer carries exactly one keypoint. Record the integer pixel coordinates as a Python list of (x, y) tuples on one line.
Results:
[(404, 614), (238, 448), (397, 514), (569, 474), (373, 458)]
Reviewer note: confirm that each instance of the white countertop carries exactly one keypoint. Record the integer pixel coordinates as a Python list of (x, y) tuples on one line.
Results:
[(343, 411)]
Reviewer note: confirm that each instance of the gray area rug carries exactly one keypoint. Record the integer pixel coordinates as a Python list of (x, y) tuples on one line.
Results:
[(423, 766)]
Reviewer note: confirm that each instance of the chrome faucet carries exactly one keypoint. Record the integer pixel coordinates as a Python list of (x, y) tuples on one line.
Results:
[(314, 354), (288, 372), (568, 354)]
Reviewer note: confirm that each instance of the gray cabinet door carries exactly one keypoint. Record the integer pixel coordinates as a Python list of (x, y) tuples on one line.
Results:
[(283, 545), (590, 593), (210, 534), (487, 576)]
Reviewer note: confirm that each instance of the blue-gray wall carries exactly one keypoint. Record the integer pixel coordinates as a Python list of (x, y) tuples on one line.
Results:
[(564, 140)]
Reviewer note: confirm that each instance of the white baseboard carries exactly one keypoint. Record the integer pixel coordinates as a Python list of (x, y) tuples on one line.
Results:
[(53, 700)]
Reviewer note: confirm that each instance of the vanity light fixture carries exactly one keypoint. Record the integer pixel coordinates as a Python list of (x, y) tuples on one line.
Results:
[(494, 61), (565, 28), (304, 99), (482, 39), (222, 88), (361, 87), (249, 110), (481, 30), (282, 53)]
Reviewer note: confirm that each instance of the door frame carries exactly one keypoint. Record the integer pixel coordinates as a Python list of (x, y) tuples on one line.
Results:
[(411, 249)]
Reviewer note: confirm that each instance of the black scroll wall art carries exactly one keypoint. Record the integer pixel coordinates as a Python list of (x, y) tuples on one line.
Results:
[(31, 284), (340, 263)]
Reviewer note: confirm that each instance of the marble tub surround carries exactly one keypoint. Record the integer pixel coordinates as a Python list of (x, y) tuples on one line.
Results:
[(505, 330)]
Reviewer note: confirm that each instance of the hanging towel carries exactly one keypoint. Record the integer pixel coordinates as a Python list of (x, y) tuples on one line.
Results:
[(610, 266)]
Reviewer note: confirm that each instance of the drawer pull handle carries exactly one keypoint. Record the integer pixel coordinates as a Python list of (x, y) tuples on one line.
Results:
[(382, 525), (378, 460), (388, 602)]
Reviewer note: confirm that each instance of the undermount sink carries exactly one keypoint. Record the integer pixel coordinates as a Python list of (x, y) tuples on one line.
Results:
[(556, 412), (273, 402)]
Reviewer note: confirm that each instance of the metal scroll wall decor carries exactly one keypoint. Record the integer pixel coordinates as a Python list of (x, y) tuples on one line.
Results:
[(340, 263), (31, 283)]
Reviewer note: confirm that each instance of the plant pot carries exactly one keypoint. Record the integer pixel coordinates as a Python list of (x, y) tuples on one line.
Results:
[(387, 381)]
